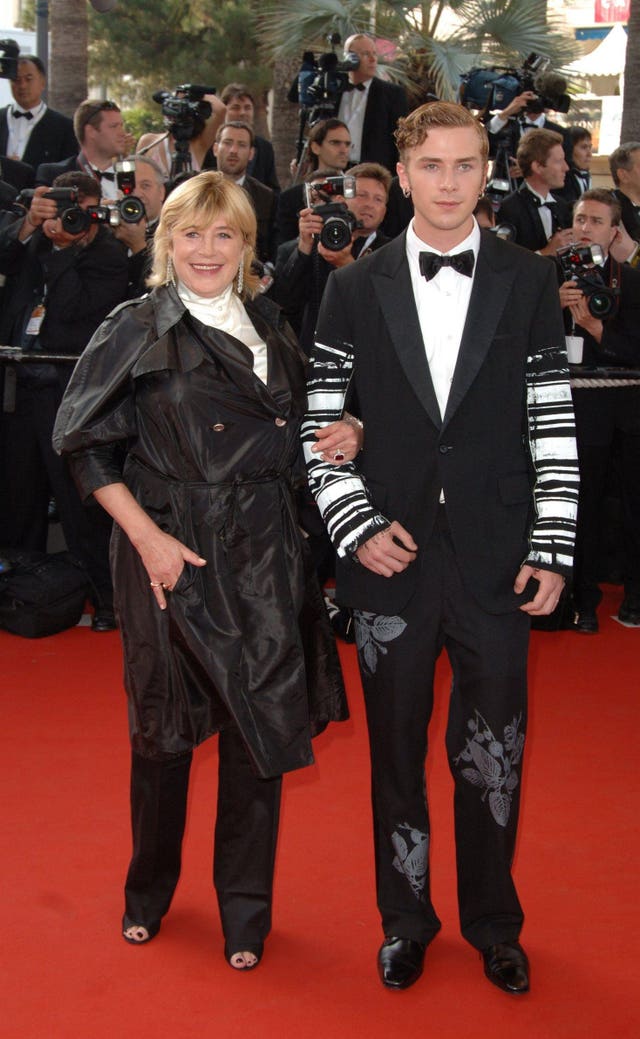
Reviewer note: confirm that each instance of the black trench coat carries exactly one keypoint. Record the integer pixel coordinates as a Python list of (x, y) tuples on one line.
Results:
[(210, 453)]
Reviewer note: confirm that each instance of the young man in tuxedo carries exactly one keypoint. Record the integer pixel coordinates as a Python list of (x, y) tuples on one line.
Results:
[(542, 221), (29, 130), (102, 136), (453, 527)]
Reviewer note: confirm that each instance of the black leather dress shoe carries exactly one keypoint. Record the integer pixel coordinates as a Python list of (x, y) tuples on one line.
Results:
[(629, 612), (103, 620), (507, 966), (586, 622), (400, 962)]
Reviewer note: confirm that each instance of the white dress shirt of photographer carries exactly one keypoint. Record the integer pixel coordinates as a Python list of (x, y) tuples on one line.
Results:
[(524, 109)]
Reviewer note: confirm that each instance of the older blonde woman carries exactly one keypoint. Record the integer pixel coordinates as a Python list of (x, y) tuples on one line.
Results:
[(200, 388)]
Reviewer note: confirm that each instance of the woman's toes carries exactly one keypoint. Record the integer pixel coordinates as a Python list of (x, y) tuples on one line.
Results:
[(137, 933), (242, 960)]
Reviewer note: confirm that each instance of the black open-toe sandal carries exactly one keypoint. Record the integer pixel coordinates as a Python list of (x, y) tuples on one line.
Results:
[(143, 933), (255, 948)]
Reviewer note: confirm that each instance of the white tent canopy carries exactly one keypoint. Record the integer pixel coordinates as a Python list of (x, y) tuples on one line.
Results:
[(608, 59)]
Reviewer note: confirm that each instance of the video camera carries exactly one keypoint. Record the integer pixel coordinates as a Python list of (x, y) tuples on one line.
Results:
[(76, 220), (9, 52), (496, 87), (579, 263), (338, 222), (321, 81), (184, 110)]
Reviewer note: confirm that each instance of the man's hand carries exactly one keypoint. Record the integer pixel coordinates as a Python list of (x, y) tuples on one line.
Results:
[(623, 246), (132, 235), (309, 227), (389, 551), (557, 241), (550, 587), (516, 106), (574, 298), (41, 209), (337, 258)]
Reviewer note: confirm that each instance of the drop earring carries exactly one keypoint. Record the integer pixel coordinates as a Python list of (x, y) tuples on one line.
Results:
[(240, 284), (169, 269), (406, 192)]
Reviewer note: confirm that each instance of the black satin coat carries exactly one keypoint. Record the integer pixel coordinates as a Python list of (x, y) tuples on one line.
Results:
[(209, 455)]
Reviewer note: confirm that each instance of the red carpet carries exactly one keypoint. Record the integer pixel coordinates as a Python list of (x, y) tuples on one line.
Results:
[(67, 973)]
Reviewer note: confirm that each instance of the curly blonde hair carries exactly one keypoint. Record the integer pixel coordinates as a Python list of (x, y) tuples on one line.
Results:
[(197, 202), (414, 129)]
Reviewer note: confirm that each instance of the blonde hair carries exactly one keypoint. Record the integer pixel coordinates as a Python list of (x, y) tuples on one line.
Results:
[(414, 129), (197, 202)]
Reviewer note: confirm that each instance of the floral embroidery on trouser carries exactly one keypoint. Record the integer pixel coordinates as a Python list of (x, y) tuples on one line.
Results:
[(372, 630), (412, 856), (495, 763)]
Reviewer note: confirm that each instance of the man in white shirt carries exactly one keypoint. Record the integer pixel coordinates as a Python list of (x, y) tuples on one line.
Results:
[(370, 107), (541, 220), (100, 131), (453, 526), (29, 130)]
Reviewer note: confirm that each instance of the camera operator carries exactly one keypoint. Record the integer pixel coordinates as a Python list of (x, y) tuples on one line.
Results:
[(524, 113), (304, 264), (542, 222), (234, 149), (150, 188), (240, 106), (100, 131), (329, 142), (161, 146), (60, 287), (605, 414), (371, 107)]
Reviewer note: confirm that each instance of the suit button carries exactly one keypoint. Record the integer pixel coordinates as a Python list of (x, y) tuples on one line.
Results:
[(281, 422), (218, 428), (444, 449)]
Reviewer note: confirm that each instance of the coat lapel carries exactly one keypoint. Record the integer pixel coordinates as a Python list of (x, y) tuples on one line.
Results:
[(491, 288), (392, 283)]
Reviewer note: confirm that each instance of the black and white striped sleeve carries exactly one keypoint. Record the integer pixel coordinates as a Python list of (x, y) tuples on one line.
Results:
[(554, 455), (340, 491)]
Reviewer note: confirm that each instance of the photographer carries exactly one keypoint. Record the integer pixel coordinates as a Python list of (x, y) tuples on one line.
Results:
[(100, 130), (524, 113), (150, 188), (605, 414), (541, 221), (60, 287), (304, 264), (329, 143)]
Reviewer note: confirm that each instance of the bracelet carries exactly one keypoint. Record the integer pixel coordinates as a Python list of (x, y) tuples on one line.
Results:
[(351, 420), (634, 259)]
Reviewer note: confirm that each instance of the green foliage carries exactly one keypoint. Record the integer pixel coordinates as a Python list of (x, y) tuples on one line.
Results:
[(146, 45), (140, 120)]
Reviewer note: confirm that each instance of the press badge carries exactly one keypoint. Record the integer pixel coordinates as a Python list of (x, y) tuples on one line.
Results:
[(35, 321), (575, 346)]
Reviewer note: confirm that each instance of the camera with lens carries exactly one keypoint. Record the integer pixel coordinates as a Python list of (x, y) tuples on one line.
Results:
[(322, 80), (9, 52), (184, 110), (579, 263), (126, 211), (496, 87), (339, 222)]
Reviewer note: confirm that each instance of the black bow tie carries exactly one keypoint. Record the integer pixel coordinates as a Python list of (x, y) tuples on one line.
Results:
[(530, 126), (551, 204), (430, 263), (22, 115), (355, 86), (103, 174)]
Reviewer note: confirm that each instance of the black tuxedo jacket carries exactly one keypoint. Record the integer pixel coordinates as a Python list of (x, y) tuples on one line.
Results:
[(261, 167), (620, 343), (386, 103), (519, 209), (290, 202), (511, 356), (51, 139), (18, 174), (630, 218), (264, 204), (48, 171)]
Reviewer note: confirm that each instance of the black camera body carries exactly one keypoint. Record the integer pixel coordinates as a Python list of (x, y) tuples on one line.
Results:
[(579, 263), (128, 210), (9, 52), (339, 222)]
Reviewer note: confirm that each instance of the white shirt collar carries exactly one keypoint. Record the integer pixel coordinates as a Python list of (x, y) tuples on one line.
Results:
[(543, 198), (416, 245)]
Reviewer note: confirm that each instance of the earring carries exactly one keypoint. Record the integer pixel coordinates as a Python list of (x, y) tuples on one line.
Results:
[(240, 276), (169, 269), (406, 192)]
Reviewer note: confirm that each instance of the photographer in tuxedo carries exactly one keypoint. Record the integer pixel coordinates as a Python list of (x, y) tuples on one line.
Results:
[(453, 526), (607, 416)]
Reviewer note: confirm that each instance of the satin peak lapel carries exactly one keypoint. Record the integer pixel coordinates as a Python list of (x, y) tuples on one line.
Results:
[(392, 284), (491, 288)]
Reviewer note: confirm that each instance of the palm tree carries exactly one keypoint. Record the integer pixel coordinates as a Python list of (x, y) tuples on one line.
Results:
[(68, 59), (630, 129)]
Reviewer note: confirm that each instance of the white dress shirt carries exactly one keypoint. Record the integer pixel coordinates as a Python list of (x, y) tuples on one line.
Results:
[(351, 111), (545, 213), (442, 305), (20, 129), (226, 312)]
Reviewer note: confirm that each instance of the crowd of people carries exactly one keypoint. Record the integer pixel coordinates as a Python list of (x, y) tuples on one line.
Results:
[(443, 487)]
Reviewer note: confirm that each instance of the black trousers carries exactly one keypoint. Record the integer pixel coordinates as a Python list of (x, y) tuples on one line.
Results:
[(485, 742), (607, 426), (31, 472), (246, 834)]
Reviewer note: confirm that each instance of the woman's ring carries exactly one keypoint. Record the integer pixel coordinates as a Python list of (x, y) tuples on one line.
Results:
[(154, 584), (339, 456)]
